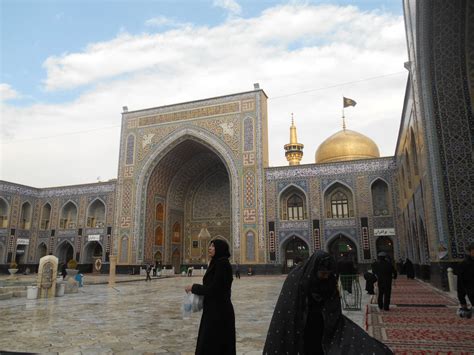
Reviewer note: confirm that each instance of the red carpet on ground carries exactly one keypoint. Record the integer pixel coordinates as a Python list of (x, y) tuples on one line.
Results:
[(421, 320)]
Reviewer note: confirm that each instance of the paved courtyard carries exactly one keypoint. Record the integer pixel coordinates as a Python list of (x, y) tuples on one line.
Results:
[(134, 317)]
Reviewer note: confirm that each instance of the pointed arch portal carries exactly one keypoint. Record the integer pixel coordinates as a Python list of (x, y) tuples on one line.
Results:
[(196, 183)]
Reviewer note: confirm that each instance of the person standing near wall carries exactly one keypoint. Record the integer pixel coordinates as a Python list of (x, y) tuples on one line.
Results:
[(465, 274), (385, 273), (409, 269), (217, 328)]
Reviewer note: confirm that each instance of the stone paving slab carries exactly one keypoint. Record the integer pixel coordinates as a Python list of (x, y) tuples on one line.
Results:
[(135, 317)]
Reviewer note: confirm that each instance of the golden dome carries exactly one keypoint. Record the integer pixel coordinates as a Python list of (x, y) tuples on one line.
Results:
[(346, 145)]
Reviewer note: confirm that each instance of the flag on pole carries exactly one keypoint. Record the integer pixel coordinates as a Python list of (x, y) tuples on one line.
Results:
[(348, 102)]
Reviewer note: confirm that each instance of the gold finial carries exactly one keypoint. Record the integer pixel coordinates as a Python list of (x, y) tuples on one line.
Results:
[(343, 120), (293, 138), (293, 150)]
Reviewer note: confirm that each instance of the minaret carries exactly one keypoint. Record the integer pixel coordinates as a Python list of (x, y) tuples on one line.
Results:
[(293, 150)]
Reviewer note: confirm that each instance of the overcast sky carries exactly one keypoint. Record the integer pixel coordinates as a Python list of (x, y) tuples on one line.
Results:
[(68, 67)]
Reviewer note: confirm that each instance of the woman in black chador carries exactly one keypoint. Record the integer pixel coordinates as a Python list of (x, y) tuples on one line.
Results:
[(308, 318), (217, 328), (409, 269)]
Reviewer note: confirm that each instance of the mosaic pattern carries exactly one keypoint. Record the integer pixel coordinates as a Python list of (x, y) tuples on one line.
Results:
[(341, 168), (293, 225), (250, 246), (262, 162), (123, 250), (126, 198), (315, 195), (208, 111), (130, 153), (226, 128), (249, 186), (469, 42), (248, 134), (271, 200), (152, 137), (213, 197), (453, 113), (15, 212)]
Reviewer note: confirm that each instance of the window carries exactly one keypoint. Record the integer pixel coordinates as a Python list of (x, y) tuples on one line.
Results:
[(295, 208), (96, 214), (25, 219), (338, 201), (339, 205), (68, 216), (3, 214), (160, 214), (293, 204), (176, 233), (158, 236), (45, 217)]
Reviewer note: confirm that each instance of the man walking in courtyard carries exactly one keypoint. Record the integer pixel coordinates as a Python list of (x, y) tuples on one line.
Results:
[(385, 272), (148, 271)]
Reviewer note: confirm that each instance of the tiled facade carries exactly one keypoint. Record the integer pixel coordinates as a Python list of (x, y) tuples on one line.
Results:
[(61, 220), (195, 170), (435, 145)]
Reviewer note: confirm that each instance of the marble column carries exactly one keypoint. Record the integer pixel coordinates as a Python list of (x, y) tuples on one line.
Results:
[(113, 264)]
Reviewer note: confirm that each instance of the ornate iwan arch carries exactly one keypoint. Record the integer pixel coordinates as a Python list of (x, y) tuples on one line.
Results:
[(167, 145)]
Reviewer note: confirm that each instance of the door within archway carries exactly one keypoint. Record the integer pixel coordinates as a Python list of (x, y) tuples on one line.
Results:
[(65, 253), (41, 251), (158, 258), (296, 250), (385, 244), (92, 251), (176, 261), (342, 247)]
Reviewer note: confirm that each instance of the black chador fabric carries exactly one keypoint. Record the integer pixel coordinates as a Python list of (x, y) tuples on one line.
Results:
[(370, 280), (409, 269), (308, 319), (217, 328)]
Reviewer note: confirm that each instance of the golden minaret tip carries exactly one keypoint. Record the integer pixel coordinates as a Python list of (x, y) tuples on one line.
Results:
[(293, 150)]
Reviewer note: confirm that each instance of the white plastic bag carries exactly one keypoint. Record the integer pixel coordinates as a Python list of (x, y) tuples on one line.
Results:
[(197, 303), (187, 306)]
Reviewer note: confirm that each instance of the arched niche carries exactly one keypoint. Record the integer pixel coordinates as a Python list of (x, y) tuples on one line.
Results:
[(4, 213), (293, 204), (385, 244), (160, 212), (45, 216), (25, 216), (64, 252), (414, 152), (41, 250), (167, 164), (176, 239), (159, 236), (341, 246), (294, 250), (68, 219), (338, 201), (380, 198), (96, 214), (92, 250)]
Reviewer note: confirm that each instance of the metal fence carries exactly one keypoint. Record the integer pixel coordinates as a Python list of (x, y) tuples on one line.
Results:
[(351, 292)]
